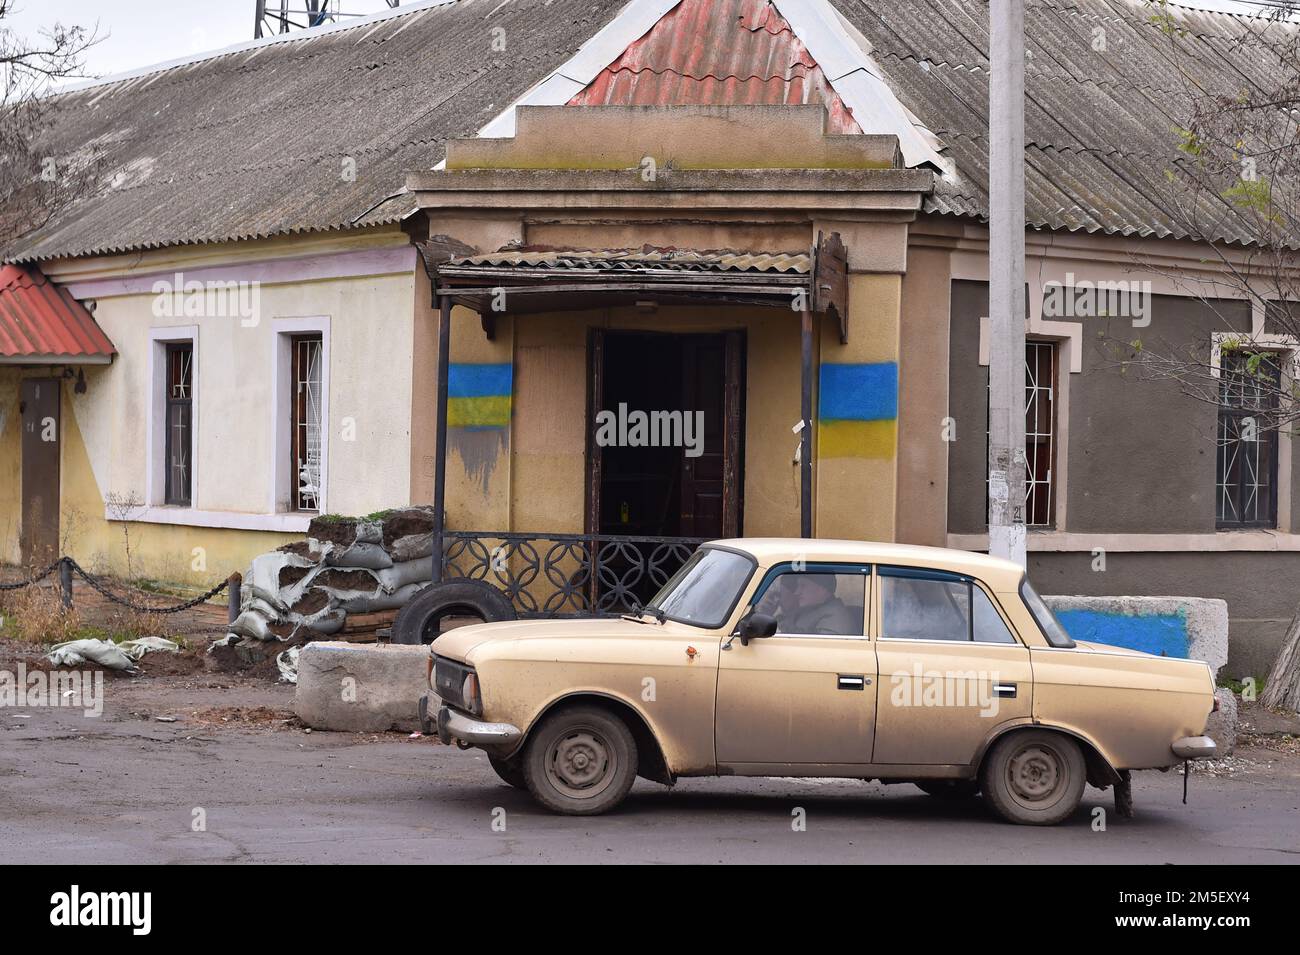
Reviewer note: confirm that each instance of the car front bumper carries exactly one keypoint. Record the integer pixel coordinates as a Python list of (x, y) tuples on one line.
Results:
[(1195, 747), (455, 726)]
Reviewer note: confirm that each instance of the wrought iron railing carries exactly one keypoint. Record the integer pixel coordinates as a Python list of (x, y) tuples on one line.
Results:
[(567, 575)]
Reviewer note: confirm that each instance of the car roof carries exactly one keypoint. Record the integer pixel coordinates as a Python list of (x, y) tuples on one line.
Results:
[(1003, 575)]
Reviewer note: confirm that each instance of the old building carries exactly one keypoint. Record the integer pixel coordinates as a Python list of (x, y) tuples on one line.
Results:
[(765, 216)]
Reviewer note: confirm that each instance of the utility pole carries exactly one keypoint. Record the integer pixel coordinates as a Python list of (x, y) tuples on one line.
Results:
[(1007, 279)]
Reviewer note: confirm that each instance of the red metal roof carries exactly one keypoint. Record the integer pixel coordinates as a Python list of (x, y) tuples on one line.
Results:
[(41, 321), (718, 52)]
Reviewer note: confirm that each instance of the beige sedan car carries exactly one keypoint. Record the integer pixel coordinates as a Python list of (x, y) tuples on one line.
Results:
[(820, 658)]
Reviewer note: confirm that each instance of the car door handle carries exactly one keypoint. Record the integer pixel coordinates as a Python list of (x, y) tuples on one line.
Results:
[(1006, 691), (850, 681)]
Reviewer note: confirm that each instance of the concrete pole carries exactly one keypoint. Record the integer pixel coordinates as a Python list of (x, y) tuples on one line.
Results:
[(1007, 279)]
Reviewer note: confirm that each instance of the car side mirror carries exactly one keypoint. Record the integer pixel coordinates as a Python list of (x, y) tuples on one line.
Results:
[(754, 625)]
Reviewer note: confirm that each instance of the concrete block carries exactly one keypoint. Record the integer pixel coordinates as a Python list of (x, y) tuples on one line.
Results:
[(357, 688), (1191, 627)]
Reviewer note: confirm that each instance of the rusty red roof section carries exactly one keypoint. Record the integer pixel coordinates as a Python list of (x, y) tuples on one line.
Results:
[(715, 53), (42, 322)]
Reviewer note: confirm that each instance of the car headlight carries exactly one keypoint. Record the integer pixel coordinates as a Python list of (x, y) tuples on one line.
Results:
[(469, 694)]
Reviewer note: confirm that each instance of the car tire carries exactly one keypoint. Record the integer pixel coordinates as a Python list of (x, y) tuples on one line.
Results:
[(581, 761), (954, 789), (1034, 778), (418, 621), (510, 771)]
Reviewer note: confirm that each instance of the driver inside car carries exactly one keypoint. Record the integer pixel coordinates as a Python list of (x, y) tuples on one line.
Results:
[(807, 604)]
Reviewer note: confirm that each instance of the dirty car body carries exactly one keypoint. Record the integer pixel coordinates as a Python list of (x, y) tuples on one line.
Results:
[(819, 658)]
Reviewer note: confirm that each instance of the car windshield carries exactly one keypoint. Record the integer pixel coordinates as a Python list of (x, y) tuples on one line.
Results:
[(1047, 622), (704, 592)]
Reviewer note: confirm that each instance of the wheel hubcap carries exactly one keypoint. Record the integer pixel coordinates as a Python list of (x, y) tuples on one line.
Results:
[(1034, 773), (580, 764)]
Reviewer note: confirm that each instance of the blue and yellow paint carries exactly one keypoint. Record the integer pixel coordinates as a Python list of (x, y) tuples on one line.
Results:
[(1164, 633), (479, 395), (479, 402), (858, 410)]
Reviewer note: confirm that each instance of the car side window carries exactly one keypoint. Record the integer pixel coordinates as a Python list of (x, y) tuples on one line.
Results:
[(934, 605), (924, 607), (816, 600), (989, 625)]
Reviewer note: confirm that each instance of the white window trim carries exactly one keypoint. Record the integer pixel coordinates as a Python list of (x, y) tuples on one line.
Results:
[(283, 330), (155, 482)]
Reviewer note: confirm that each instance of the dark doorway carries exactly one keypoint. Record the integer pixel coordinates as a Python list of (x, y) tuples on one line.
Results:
[(672, 405), (39, 406)]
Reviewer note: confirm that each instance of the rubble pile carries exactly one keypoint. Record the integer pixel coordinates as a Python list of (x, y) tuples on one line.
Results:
[(306, 590)]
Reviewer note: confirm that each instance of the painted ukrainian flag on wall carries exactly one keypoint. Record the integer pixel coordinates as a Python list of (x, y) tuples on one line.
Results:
[(858, 410), (478, 396)]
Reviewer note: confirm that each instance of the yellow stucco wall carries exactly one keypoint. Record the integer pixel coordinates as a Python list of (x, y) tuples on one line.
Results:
[(106, 443)]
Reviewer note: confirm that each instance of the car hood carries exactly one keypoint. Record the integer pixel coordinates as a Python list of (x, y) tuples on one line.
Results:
[(1089, 647), (461, 642)]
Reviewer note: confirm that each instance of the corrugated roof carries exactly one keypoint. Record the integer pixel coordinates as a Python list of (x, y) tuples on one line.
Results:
[(1100, 124), (255, 142), (654, 258), (40, 320), (714, 52)]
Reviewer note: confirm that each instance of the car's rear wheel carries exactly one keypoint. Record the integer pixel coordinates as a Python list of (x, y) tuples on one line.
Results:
[(949, 788), (511, 771), (1034, 778), (581, 761)]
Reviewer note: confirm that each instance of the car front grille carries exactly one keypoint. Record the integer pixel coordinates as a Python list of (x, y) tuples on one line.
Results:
[(449, 679)]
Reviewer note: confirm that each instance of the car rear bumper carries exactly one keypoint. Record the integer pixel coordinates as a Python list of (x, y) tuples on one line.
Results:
[(1195, 747)]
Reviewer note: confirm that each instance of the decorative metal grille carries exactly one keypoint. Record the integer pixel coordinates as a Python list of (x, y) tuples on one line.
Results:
[(307, 405), (180, 421), (567, 575), (1040, 434), (1246, 482)]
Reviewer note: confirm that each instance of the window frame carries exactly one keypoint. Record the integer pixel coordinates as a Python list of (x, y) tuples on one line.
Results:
[(282, 479), (1052, 435), (1269, 437), (946, 576), (170, 499), (155, 480), (843, 568)]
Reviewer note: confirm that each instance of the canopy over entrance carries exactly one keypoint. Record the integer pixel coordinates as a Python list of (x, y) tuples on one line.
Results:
[(539, 279)]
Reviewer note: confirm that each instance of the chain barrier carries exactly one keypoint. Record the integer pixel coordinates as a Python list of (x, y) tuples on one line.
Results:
[(103, 590)]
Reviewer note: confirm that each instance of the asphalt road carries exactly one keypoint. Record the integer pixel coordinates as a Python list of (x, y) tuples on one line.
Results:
[(125, 788)]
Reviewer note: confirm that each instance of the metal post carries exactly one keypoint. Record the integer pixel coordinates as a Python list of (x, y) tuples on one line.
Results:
[(1007, 279), (440, 455), (65, 581), (233, 596), (805, 433)]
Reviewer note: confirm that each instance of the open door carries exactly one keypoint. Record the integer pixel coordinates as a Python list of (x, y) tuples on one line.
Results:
[(642, 485)]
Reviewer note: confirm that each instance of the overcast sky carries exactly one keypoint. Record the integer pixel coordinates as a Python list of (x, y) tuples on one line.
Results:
[(139, 33)]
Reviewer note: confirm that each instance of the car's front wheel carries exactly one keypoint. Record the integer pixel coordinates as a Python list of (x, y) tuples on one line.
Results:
[(1034, 778), (581, 761)]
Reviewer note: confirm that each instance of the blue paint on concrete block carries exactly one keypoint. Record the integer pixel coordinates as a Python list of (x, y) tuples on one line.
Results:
[(1153, 633)]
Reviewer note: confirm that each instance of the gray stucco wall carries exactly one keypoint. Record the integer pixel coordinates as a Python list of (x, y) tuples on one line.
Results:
[(1262, 591), (1141, 459), (1141, 454)]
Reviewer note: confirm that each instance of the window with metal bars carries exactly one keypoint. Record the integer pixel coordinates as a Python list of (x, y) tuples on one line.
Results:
[(178, 443), (1040, 434), (308, 380), (1246, 481)]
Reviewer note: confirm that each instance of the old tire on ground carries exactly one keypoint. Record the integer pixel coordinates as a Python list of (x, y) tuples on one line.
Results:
[(511, 771), (949, 788), (581, 761), (418, 622), (1034, 777)]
